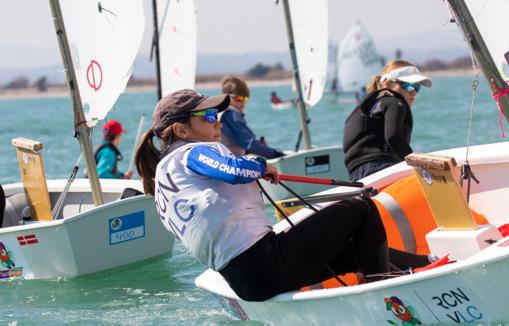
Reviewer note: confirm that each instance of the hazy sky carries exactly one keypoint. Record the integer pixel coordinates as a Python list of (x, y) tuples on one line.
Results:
[(239, 26)]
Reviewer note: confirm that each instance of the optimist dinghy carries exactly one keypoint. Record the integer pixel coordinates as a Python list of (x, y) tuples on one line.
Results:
[(467, 225), (285, 105), (468, 290)]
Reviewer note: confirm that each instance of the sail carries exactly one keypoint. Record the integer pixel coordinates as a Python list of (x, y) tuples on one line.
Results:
[(104, 38), (332, 71), (358, 59), (495, 35), (177, 44), (311, 34)]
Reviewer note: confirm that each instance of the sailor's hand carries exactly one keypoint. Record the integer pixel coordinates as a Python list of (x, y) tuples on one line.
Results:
[(128, 174), (271, 174)]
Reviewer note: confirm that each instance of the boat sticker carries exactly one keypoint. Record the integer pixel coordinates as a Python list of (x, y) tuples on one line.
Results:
[(405, 314), (8, 268), (456, 306), (317, 164), (127, 227), (27, 239), (426, 176)]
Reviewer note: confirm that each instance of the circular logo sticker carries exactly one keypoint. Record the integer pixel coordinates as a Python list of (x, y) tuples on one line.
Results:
[(426, 176), (116, 224), (310, 161)]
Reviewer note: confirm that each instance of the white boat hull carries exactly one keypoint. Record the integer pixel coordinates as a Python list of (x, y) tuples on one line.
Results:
[(323, 162), (283, 105), (465, 293), (469, 291), (87, 239)]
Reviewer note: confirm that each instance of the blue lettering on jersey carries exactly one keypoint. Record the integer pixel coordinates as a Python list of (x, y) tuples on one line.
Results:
[(180, 208)]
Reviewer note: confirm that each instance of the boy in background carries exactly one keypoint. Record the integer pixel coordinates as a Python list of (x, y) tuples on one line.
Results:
[(236, 135)]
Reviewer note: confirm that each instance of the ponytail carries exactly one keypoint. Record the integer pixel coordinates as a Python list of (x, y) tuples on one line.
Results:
[(146, 159), (374, 84), (148, 155)]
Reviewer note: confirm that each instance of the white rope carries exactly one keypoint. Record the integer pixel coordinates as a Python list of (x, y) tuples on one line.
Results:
[(475, 85)]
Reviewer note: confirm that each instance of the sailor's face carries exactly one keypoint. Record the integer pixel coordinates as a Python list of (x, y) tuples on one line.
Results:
[(200, 129), (408, 96)]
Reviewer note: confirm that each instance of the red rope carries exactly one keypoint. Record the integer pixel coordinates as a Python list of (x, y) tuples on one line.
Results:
[(497, 94), (298, 178)]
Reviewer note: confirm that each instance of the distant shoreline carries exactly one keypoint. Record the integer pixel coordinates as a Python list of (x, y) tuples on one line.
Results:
[(62, 91)]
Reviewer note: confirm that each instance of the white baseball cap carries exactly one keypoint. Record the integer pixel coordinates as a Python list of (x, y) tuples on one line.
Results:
[(409, 74)]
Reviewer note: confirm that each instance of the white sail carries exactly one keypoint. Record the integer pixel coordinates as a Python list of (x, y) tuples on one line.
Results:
[(104, 38), (358, 59), (311, 33), (491, 20), (177, 44)]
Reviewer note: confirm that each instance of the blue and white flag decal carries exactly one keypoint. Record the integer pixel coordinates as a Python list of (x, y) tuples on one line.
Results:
[(127, 227)]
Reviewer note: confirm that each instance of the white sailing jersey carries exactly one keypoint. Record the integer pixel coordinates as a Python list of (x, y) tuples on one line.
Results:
[(208, 199)]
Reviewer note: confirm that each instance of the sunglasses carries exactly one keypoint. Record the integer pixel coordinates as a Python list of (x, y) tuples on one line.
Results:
[(209, 115), (410, 87), (242, 99)]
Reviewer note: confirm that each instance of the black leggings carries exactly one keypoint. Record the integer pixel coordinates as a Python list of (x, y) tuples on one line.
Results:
[(348, 236)]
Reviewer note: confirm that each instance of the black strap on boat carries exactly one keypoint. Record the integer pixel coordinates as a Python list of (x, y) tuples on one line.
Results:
[(467, 174), (299, 137)]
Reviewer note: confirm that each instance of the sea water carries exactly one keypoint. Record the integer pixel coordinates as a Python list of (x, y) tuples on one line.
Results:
[(162, 292)]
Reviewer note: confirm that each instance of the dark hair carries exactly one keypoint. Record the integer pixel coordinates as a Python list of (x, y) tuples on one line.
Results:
[(148, 155), (109, 138)]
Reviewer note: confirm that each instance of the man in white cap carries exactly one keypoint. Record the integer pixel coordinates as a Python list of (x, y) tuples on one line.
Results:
[(377, 133)]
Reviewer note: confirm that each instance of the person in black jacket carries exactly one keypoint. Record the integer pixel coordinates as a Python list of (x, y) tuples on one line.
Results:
[(377, 133)]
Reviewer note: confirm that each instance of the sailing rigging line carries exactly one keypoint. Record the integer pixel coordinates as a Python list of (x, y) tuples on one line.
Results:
[(329, 269), (466, 172), (498, 91)]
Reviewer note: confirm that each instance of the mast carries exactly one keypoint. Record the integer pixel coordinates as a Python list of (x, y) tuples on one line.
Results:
[(296, 77), (155, 48), (80, 123), (476, 43)]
